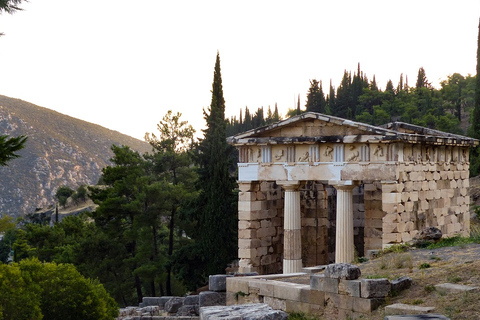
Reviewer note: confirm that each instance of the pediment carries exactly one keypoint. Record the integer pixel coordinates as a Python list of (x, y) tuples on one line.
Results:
[(311, 127)]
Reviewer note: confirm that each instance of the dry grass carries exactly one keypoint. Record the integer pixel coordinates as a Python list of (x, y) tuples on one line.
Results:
[(454, 265)]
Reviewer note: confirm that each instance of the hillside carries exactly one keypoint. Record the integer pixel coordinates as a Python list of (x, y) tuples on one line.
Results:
[(60, 150)]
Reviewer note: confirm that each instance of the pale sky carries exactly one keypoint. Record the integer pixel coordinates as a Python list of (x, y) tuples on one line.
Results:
[(123, 64)]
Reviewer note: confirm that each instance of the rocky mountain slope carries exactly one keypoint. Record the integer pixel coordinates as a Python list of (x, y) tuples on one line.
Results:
[(60, 150)]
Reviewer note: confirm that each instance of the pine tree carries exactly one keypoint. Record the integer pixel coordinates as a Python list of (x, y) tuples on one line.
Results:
[(217, 201)]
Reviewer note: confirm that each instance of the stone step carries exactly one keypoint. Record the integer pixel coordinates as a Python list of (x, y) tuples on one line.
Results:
[(406, 309), (452, 287)]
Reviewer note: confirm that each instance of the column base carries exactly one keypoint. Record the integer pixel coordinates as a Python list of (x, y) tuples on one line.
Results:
[(292, 266)]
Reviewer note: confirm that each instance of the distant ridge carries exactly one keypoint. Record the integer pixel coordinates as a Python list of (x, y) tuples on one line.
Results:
[(60, 150)]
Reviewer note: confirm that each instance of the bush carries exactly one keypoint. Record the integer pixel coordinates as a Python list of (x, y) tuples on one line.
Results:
[(52, 291)]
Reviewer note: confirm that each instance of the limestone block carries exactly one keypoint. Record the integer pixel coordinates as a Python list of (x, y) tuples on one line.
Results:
[(245, 311), (321, 283), (450, 175), (400, 208), (429, 175), (408, 186), (247, 253), (407, 309), (392, 238), (265, 223), (457, 175), (344, 271), (375, 288), (417, 186), (391, 197), (436, 176), (390, 208), (237, 284), (391, 217), (248, 215), (274, 303), (406, 237), (401, 284), (389, 227), (424, 205), (212, 298), (289, 291), (408, 206), (349, 288), (260, 195), (366, 305), (464, 174), (248, 186), (261, 251), (173, 304), (409, 226), (247, 234), (430, 194), (247, 196), (185, 311), (191, 300), (266, 232), (425, 186), (339, 301), (248, 243), (218, 282), (466, 183)]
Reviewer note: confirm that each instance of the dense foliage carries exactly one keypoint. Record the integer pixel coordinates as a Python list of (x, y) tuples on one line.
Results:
[(34, 290)]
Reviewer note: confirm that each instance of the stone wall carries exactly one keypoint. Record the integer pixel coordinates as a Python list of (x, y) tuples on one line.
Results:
[(425, 195)]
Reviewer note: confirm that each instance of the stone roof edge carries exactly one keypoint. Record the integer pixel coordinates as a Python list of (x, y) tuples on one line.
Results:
[(422, 133)]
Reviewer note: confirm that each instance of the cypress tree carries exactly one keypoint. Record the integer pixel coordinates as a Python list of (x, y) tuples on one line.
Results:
[(475, 126), (217, 201), (475, 129)]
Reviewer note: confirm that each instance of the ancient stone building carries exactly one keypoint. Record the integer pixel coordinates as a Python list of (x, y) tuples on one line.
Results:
[(314, 189)]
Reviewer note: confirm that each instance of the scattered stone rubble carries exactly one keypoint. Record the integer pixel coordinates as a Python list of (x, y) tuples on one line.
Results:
[(208, 305)]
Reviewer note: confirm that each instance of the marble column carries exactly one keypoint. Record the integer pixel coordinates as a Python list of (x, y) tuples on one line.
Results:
[(344, 247), (292, 241)]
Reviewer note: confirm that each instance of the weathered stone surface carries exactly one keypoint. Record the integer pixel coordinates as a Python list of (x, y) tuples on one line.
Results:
[(344, 271), (418, 317), (212, 298), (152, 301), (401, 284), (218, 282), (349, 288), (452, 287), (188, 310), (173, 304), (191, 300), (430, 234), (257, 311), (321, 283), (375, 288), (406, 309)]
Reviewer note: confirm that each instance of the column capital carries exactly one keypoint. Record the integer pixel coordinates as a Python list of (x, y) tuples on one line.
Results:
[(343, 184), (290, 185)]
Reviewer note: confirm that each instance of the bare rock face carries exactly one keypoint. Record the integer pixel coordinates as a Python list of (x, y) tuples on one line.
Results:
[(60, 150), (430, 234), (343, 271)]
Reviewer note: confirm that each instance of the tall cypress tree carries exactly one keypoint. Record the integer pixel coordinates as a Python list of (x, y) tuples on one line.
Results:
[(475, 125), (475, 129), (217, 201)]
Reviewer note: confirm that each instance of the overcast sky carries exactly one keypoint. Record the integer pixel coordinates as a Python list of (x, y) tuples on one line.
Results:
[(124, 64)]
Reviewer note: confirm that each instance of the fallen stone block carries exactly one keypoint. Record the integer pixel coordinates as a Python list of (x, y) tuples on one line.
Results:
[(212, 298), (163, 300), (452, 287), (375, 288), (218, 282), (258, 311), (406, 309), (418, 317), (401, 284), (349, 288), (313, 269), (344, 271), (173, 304)]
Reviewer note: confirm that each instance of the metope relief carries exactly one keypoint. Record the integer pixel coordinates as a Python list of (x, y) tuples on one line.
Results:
[(353, 154), (327, 154)]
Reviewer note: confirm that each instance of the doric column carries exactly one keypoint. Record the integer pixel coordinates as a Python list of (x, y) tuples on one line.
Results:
[(292, 241), (344, 247)]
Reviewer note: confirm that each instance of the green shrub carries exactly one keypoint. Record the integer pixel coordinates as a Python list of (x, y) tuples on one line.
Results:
[(424, 266), (34, 290)]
